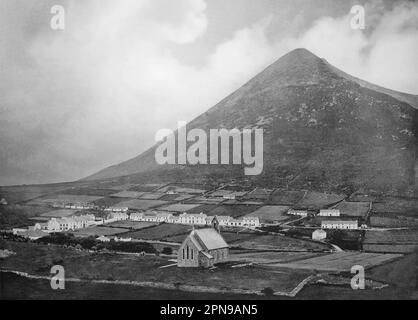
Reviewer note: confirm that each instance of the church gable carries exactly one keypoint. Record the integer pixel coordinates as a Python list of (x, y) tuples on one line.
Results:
[(202, 247)]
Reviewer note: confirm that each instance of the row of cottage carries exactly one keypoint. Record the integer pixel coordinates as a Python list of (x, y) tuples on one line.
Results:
[(84, 221), (194, 219)]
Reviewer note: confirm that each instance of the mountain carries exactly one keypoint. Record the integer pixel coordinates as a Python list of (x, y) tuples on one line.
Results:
[(323, 129)]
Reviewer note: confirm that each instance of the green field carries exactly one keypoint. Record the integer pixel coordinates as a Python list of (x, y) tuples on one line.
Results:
[(111, 266), (271, 213), (128, 224), (98, 231), (277, 242), (340, 261), (159, 232)]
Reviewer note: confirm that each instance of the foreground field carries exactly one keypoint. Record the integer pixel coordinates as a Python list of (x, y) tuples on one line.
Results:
[(116, 267), (277, 242), (340, 261), (98, 231), (17, 287), (393, 241)]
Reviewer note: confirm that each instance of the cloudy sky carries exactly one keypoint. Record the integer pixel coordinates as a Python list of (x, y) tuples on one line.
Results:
[(76, 100)]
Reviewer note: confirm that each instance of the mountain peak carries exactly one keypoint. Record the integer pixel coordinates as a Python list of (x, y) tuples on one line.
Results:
[(298, 67), (301, 54), (323, 129)]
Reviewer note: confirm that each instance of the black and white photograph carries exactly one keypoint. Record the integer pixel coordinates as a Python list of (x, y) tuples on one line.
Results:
[(220, 152)]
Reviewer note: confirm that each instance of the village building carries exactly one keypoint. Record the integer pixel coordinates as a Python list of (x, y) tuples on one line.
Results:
[(319, 235), (41, 226), (3, 202), (340, 224), (192, 218), (300, 213), (122, 239), (251, 221), (151, 216), (70, 223), (329, 213), (116, 209), (103, 239), (223, 220), (203, 248), (119, 216)]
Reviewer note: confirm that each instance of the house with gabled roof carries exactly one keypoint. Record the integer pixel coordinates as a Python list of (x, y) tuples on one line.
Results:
[(203, 248)]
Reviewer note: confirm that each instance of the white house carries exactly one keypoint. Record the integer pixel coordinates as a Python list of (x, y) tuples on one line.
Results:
[(223, 220), (122, 239), (70, 223), (119, 216), (192, 218), (329, 213), (150, 216), (319, 235), (117, 209), (300, 213), (340, 224), (103, 239), (41, 226), (251, 221)]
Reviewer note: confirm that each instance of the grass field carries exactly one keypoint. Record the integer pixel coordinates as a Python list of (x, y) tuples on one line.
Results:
[(141, 204), (98, 231), (230, 237), (67, 198), (392, 237), (159, 232), (396, 241), (390, 248), (179, 189), (144, 187), (277, 242), (232, 210), (151, 195), (178, 207), (272, 257), (110, 266), (286, 197), (392, 221), (127, 224), (109, 201), (340, 261), (88, 191), (127, 194), (271, 213), (398, 206), (17, 216), (59, 213), (318, 200), (204, 200), (204, 208), (353, 209)]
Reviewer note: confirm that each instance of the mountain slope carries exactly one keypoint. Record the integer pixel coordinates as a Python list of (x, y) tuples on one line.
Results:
[(323, 129)]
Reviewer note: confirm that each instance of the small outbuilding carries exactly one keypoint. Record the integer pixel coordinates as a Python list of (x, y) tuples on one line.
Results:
[(319, 235)]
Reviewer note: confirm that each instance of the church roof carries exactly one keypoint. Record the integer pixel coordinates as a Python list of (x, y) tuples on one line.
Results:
[(209, 238)]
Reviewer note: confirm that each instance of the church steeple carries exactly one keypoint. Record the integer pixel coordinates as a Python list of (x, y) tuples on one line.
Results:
[(215, 224)]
